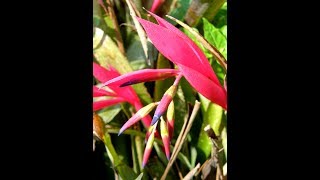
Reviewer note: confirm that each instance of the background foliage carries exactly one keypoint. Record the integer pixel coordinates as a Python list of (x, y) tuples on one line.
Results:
[(209, 18)]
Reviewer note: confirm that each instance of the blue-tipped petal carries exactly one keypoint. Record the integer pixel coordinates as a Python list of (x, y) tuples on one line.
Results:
[(168, 157), (120, 131), (154, 119)]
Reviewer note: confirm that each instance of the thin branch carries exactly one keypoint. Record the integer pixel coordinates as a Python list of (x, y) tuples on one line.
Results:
[(192, 173), (113, 17), (135, 9), (180, 141), (179, 172)]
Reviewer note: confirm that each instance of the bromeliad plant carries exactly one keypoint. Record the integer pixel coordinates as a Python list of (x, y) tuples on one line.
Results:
[(191, 64)]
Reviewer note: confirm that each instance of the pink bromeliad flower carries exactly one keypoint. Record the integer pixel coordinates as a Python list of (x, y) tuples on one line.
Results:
[(192, 65), (118, 94)]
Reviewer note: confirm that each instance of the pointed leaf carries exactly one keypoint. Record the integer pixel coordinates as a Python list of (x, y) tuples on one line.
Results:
[(108, 114)]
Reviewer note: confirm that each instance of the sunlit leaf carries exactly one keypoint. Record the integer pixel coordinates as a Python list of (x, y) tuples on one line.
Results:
[(107, 53)]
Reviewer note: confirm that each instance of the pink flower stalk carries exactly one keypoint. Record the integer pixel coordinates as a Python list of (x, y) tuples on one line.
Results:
[(181, 50), (105, 103), (155, 5), (143, 75), (120, 94)]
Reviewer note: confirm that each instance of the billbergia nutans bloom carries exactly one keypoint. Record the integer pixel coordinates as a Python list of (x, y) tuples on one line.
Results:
[(192, 65)]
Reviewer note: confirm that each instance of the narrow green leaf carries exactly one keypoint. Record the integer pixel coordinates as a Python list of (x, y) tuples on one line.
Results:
[(126, 172), (193, 156), (140, 176)]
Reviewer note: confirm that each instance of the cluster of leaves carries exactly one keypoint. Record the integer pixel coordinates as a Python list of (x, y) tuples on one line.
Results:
[(117, 44)]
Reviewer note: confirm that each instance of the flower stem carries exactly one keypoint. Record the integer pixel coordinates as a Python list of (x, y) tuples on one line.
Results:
[(113, 17), (111, 150), (176, 82)]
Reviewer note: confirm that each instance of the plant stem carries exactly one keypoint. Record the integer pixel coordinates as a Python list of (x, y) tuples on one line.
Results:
[(110, 148), (113, 16), (176, 82)]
